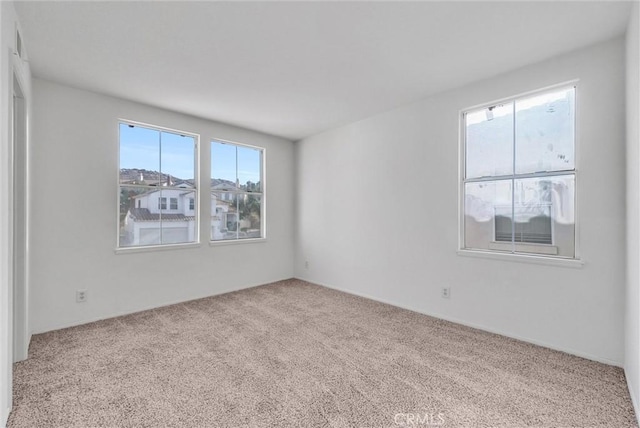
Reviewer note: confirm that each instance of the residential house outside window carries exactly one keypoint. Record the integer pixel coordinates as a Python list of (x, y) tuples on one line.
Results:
[(156, 164), (519, 176), (237, 191)]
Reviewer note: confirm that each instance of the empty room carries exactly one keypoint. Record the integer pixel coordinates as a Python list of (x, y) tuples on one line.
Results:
[(319, 214)]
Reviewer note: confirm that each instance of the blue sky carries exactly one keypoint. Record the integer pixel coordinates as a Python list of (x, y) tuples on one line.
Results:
[(170, 153), (223, 162), (144, 148)]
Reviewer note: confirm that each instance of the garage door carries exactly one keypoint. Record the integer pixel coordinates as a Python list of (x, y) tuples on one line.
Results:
[(150, 236), (175, 235)]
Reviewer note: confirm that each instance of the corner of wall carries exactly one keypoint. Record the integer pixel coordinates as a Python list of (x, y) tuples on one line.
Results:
[(632, 322), (4, 416)]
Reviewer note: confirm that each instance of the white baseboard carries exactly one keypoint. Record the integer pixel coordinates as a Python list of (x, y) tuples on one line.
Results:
[(474, 325), (147, 308)]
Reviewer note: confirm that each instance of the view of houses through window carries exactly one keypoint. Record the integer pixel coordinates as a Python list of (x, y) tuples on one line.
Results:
[(236, 191), (157, 187), (158, 192), (519, 176)]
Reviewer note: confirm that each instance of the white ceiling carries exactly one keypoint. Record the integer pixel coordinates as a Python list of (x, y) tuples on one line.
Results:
[(296, 69)]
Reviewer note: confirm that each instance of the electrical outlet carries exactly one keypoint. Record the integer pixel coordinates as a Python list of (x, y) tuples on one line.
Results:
[(81, 296), (446, 292), (306, 264)]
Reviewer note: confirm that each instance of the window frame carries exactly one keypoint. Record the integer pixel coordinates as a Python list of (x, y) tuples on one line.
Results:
[(197, 188), (162, 203), (540, 258), (262, 193)]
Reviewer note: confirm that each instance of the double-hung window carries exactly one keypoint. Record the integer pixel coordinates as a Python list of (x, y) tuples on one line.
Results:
[(157, 170), (237, 191), (519, 176)]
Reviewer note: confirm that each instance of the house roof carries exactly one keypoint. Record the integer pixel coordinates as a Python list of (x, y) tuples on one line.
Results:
[(184, 191), (143, 214)]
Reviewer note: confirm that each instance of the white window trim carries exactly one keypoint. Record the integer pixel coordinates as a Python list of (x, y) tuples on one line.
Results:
[(523, 258), (576, 261), (222, 242), (263, 194), (149, 248), (196, 171)]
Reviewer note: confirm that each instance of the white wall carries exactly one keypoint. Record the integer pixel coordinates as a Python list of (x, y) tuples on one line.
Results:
[(405, 161), (632, 333), (74, 176), (10, 65)]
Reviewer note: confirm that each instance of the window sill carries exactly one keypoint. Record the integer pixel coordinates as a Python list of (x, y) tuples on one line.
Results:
[(524, 258), (540, 249), (237, 241), (151, 248)]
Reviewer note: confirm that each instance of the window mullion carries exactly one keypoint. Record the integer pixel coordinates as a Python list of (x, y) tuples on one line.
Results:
[(521, 176), (513, 184), (159, 181), (237, 216)]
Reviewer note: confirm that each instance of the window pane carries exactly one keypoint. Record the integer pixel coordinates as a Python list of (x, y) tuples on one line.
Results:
[(236, 172), (177, 159), (224, 216), (545, 132), (487, 212), (223, 166), (249, 169), (151, 163), (137, 225), (544, 214), (145, 219), (139, 155), (249, 209), (489, 141)]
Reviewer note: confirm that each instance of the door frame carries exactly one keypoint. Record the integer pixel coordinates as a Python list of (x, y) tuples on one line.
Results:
[(19, 220)]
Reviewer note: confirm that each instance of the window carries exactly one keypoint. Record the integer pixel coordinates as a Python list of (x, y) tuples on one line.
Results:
[(156, 165), (192, 204), (162, 203), (519, 176), (237, 191)]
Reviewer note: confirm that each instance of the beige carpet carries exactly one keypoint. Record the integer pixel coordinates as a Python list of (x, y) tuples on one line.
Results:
[(292, 354)]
